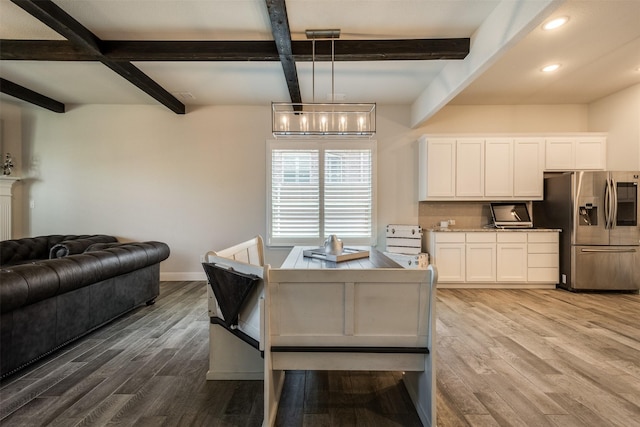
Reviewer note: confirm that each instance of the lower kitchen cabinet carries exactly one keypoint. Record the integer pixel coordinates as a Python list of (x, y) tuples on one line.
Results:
[(512, 257), (451, 257), (480, 257), (501, 259), (543, 257)]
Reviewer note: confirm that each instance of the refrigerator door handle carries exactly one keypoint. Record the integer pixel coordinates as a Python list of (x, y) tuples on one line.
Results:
[(607, 204), (614, 202), (616, 251)]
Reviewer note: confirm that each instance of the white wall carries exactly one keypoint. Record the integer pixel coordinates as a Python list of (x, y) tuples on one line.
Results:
[(619, 115), (197, 181), (509, 119)]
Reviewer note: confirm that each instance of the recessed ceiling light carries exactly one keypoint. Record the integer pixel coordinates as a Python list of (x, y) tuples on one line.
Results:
[(555, 23), (550, 68)]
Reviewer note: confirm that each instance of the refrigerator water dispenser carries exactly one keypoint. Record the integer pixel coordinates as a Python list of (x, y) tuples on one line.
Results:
[(588, 215)]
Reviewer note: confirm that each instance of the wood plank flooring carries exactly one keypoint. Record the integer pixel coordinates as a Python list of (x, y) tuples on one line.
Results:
[(504, 358)]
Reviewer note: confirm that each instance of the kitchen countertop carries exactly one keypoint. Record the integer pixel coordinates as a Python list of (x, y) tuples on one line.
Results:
[(500, 230)]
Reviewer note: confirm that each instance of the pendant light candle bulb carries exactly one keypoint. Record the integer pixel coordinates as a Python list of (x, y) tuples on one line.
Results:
[(285, 123), (343, 124)]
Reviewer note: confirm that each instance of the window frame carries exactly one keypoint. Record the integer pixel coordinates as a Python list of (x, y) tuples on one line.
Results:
[(321, 145)]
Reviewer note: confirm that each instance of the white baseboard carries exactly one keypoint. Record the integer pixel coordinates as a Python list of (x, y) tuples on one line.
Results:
[(181, 277), (522, 285)]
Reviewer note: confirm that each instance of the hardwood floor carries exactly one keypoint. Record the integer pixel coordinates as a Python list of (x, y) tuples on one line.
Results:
[(504, 358)]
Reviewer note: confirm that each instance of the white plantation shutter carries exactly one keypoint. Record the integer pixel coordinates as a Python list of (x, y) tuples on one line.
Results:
[(347, 193), (321, 188), (295, 194)]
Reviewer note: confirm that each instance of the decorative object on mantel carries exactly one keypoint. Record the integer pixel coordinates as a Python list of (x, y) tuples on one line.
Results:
[(7, 166), (323, 119)]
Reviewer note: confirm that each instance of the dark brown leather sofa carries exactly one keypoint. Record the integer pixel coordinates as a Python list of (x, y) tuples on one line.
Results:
[(55, 289)]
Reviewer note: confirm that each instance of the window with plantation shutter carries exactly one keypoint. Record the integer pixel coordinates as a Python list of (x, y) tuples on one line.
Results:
[(320, 188)]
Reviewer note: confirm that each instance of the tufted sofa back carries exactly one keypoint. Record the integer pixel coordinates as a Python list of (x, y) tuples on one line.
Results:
[(29, 249)]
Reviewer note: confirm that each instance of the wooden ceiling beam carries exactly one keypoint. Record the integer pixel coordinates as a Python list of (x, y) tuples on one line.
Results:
[(282, 37), (56, 18), (384, 50), (13, 89), (43, 50), (261, 50), (200, 50)]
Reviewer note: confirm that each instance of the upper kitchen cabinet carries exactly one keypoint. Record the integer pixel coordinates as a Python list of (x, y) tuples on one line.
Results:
[(470, 168), (481, 168), (499, 168), (514, 168), (528, 168), (577, 152), (437, 168)]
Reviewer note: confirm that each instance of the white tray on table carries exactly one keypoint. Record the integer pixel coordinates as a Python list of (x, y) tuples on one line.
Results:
[(346, 255)]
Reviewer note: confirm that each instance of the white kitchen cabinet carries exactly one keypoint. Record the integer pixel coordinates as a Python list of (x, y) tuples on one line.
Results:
[(501, 259), (581, 152), (514, 168), (591, 153), (560, 154), (480, 257), (528, 168), (481, 168), (511, 257), (437, 168), (499, 161), (543, 257), (470, 168), (447, 252), (454, 168)]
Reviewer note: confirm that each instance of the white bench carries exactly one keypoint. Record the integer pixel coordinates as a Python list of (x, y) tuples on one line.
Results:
[(351, 319), (374, 319), (229, 357)]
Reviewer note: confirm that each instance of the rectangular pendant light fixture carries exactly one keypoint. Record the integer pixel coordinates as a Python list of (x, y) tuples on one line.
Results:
[(323, 119)]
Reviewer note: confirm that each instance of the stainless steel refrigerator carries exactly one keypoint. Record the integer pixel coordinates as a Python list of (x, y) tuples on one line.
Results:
[(600, 239)]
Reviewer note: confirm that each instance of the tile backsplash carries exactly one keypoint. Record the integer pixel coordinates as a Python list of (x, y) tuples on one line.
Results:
[(465, 214)]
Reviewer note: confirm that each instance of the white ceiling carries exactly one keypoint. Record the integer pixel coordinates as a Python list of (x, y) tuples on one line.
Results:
[(599, 50)]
